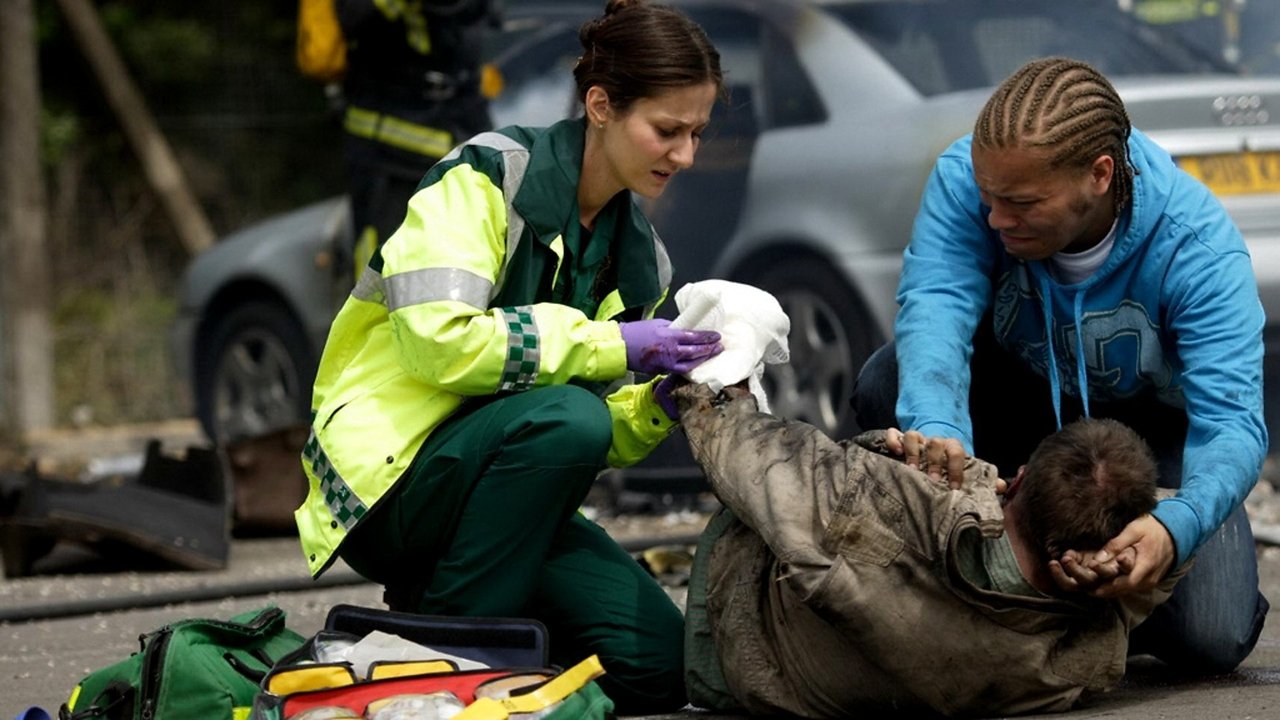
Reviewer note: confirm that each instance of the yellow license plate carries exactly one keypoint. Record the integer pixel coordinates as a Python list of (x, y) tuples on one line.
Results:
[(1236, 174)]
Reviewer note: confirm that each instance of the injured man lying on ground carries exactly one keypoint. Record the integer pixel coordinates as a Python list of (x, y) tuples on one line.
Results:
[(837, 580)]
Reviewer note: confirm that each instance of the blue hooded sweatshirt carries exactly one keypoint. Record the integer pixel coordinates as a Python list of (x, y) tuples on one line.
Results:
[(1174, 309)]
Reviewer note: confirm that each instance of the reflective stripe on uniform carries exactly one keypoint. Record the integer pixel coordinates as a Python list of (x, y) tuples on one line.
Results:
[(523, 349), (344, 505), (415, 23), (422, 286), (433, 284), (369, 287), (395, 132), (392, 9), (662, 265), (515, 160)]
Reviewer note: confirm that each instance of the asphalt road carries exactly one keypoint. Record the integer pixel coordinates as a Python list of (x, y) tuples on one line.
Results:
[(41, 660), (55, 628)]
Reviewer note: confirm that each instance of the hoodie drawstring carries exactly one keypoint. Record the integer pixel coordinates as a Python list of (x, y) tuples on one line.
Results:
[(1081, 375), (1054, 389), (1082, 381)]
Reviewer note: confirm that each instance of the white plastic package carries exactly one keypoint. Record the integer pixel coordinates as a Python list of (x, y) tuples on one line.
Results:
[(381, 646)]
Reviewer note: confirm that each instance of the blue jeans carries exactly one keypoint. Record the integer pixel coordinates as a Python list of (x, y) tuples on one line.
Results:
[(1216, 613)]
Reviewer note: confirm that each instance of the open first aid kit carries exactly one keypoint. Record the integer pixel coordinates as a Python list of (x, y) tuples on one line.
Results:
[(383, 665)]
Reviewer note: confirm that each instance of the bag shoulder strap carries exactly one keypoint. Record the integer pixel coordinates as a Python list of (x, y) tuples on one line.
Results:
[(114, 702)]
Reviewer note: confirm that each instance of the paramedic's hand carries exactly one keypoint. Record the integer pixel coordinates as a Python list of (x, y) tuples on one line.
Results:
[(941, 457), (654, 348), (1136, 560), (662, 395)]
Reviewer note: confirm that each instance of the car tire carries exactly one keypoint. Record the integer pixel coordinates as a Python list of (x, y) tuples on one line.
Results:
[(254, 372), (831, 337)]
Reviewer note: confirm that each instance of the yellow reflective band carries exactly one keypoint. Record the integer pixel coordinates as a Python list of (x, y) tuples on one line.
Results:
[(415, 31), (309, 677), (241, 712), (415, 23), (71, 701), (360, 122), (402, 668), (564, 685), (411, 136), (392, 9), (398, 133), (1175, 11)]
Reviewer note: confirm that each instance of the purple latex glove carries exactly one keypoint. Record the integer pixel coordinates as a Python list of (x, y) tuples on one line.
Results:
[(662, 394), (655, 348)]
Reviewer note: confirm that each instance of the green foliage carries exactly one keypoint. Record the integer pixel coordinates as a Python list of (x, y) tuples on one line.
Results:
[(112, 358), (187, 46), (59, 130), (220, 83)]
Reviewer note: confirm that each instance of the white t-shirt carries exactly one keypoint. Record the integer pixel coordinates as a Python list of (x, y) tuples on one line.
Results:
[(1071, 268)]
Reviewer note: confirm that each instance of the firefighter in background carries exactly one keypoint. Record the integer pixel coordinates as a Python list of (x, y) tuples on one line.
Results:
[(414, 87), (1211, 26), (1241, 32)]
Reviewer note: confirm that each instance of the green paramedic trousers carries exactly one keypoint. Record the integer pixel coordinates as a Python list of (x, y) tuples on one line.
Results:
[(485, 523)]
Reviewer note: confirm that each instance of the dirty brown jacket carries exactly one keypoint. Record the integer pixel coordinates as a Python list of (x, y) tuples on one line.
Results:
[(836, 588)]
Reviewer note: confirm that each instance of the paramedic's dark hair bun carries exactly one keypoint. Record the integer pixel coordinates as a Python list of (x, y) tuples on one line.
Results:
[(639, 49)]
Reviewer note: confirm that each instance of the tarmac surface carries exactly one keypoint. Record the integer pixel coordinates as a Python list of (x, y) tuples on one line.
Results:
[(58, 626)]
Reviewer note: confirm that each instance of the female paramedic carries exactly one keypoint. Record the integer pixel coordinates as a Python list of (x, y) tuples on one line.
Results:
[(467, 396)]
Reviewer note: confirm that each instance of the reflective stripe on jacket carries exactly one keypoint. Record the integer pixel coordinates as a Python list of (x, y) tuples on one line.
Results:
[(397, 132), (488, 286)]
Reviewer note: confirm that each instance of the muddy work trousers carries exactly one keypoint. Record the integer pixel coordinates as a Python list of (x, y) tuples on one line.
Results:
[(486, 523)]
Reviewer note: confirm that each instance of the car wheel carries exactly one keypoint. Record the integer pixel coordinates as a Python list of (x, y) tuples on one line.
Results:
[(254, 373), (831, 336)]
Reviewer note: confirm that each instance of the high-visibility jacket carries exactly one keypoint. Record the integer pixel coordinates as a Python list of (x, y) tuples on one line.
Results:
[(489, 286)]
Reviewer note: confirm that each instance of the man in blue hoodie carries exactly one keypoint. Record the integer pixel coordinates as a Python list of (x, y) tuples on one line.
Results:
[(1055, 213)]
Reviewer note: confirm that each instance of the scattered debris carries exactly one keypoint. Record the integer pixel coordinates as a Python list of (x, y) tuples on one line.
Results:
[(174, 509)]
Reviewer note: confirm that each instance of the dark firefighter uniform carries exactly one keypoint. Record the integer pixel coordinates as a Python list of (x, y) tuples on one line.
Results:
[(413, 91)]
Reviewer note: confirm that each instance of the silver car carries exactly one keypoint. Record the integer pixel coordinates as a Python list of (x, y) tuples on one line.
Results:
[(806, 184)]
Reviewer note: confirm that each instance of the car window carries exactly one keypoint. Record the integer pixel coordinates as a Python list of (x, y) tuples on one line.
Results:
[(950, 45), (792, 99), (735, 36), (536, 58), (767, 86)]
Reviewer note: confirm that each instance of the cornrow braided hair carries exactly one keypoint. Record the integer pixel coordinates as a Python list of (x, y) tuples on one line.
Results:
[(1067, 107)]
